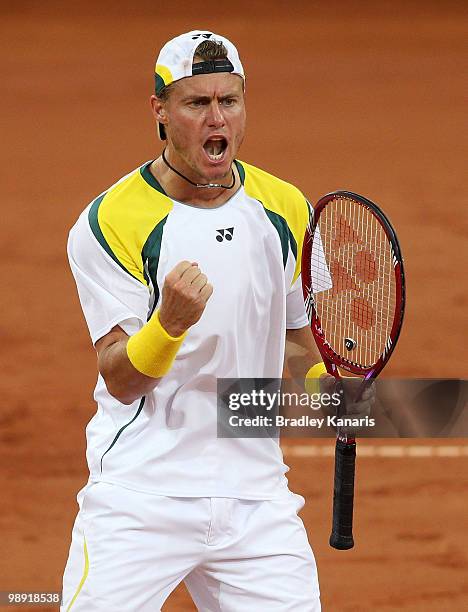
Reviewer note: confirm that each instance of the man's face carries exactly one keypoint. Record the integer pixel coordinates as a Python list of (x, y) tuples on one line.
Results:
[(205, 123)]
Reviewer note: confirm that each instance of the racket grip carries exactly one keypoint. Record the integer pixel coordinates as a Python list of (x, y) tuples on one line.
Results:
[(343, 495)]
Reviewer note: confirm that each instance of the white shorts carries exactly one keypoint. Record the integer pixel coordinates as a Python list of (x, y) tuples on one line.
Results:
[(130, 550)]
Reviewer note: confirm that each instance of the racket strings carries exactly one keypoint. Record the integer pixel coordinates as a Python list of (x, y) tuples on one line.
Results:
[(353, 281)]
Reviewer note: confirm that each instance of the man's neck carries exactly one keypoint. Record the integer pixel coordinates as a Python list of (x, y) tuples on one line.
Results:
[(179, 189)]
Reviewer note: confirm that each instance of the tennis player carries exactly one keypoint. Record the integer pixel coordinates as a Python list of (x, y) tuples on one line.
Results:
[(188, 270)]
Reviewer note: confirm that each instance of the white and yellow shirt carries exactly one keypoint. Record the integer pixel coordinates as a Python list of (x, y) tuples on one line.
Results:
[(120, 250)]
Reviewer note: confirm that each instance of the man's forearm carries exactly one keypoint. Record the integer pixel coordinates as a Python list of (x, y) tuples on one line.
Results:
[(123, 380), (301, 352)]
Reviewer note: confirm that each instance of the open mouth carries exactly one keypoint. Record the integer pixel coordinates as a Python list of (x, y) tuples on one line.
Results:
[(215, 148)]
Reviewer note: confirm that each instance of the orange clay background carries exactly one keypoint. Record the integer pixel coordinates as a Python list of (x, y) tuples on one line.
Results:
[(355, 95)]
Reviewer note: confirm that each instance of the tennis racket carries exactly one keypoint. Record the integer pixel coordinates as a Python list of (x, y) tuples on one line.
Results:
[(354, 292)]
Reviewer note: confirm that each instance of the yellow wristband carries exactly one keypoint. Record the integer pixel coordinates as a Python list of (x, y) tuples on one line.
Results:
[(311, 382), (152, 350)]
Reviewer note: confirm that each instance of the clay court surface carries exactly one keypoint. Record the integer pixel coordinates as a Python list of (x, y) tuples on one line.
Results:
[(364, 98)]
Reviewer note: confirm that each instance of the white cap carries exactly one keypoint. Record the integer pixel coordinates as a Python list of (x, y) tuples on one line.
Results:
[(175, 60)]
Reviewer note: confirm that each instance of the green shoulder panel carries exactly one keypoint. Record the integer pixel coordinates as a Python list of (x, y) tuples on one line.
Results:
[(284, 204)]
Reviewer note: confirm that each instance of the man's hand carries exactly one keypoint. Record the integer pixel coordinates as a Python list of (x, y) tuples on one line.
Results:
[(355, 409), (185, 293)]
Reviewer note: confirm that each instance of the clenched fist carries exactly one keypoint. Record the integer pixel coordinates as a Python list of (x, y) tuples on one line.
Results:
[(185, 293)]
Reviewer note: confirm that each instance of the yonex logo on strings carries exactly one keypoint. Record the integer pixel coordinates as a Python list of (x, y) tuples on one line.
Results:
[(224, 234)]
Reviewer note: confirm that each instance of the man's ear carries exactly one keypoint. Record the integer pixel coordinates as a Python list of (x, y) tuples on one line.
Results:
[(159, 113), (159, 109)]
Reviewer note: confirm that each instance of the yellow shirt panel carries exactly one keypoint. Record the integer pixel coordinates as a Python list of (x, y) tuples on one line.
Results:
[(281, 198)]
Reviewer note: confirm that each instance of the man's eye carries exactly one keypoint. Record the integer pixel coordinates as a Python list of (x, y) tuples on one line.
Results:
[(229, 102)]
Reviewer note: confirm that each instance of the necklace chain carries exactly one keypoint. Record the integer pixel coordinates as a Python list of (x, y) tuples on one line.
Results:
[(199, 185)]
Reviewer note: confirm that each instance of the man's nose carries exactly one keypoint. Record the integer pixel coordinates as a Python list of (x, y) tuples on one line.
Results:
[(215, 115)]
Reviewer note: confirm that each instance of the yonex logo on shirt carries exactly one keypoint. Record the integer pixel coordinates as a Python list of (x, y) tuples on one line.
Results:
[(225, 234)]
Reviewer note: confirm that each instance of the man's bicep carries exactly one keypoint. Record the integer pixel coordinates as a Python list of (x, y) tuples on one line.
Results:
[(116, 334)]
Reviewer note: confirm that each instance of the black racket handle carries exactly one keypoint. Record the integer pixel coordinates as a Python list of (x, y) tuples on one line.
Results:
[(343, 495)]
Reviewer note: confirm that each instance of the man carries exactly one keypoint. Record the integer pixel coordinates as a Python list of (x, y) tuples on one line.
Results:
[(188, 270)]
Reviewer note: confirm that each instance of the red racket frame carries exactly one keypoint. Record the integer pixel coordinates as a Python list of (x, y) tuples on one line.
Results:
[(334, 359)]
